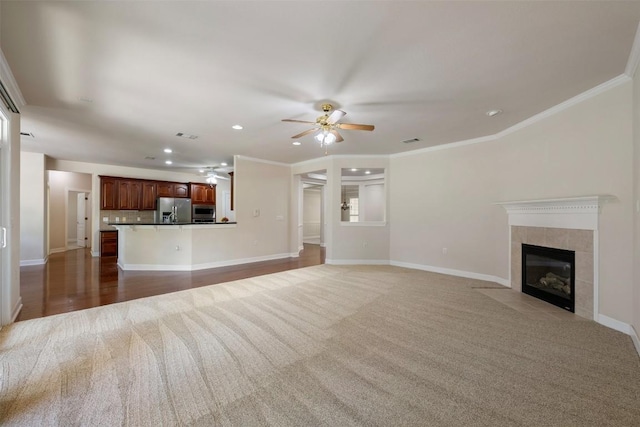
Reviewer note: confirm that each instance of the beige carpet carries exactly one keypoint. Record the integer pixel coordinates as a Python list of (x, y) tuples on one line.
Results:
[(324, 345)]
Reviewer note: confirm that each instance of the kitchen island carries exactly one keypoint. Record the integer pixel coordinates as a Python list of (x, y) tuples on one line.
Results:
[(186, 246)]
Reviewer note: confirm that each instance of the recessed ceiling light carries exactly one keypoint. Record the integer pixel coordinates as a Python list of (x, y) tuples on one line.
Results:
[(169, 162), (237, 127), (353, 169), (297, 143), (168, 150), (367, 172), (223, 164), (492, 113), (201, 171)]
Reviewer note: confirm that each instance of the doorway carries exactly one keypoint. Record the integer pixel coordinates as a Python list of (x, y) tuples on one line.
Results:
[(312, 208), (77, 224)]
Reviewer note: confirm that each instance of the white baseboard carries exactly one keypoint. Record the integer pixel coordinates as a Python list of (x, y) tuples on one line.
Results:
[(189, 267), (635, 339), (452, 272), (323, 245), (357, 261), (617, 325), (28, 262), (16, 309), (57, 250), (95, 254)]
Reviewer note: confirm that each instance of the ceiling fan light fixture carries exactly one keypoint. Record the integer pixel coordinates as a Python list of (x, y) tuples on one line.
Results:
[(325, 137), (212, 180)]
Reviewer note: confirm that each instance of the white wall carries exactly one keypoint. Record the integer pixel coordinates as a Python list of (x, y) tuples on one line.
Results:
[(444, 198), (312, 205), (33, 225)]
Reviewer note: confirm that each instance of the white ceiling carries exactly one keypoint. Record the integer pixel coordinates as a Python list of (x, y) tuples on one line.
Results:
[(427, 70)]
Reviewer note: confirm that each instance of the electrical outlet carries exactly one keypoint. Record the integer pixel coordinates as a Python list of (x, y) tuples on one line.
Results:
[(177, 247), (124, 219), (117, 219), (138, 219), (445, 250), (256, 212), (365, 244), (105, 219)]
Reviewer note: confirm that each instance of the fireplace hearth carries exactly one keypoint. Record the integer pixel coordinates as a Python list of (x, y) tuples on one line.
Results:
[(549, 274)]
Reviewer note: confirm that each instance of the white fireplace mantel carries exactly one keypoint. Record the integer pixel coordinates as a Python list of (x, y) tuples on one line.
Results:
[(571, 212)]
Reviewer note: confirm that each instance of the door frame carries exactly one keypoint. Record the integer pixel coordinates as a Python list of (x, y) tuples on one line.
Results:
[(87, 232)]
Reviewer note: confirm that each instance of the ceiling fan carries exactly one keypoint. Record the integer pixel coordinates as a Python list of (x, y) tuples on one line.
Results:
[(213, 176), (326, 126)]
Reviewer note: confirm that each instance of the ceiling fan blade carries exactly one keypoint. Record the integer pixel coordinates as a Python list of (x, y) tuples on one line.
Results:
[(298, 121), (339, 137), (354, 126), (335, 116), (306, 132)]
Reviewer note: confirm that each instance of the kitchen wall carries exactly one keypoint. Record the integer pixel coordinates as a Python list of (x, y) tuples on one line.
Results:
[(442, 201)]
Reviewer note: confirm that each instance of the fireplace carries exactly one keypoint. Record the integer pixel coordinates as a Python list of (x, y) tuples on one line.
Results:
[(549, 274)]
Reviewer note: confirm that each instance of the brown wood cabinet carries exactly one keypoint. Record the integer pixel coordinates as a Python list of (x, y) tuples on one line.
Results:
[(108, 193), (203, 194), (137, 194), (108, 243), (173, 189), (129, 194), (149, 195)]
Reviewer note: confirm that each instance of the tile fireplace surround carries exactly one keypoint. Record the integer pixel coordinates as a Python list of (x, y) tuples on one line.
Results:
[(571, 224)]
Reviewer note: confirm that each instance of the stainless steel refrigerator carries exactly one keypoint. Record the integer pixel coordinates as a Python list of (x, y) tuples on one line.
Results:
[(174, 209)]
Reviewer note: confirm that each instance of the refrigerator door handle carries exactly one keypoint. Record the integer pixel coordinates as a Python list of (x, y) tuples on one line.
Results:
[(4, 238)]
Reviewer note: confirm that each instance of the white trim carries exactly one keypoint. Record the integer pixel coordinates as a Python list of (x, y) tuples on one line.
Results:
[(610, 84), (10, 83), (57, 250), (28, 262), (269, 162), (453, 272), (182, 267), (357, 261), (612, 323), (635, 339), (16, 309), (578, 213), (634, 56), (95, 254), (363, 224)]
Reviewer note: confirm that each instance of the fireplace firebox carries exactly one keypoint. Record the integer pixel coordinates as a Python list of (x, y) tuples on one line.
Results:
[(549, 274)]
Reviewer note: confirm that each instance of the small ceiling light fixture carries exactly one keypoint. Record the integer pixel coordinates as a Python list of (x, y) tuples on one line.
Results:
[(201, 171), (296, 143), (212, 180), (223, 164), (354, 170), (168, 150), (492, 113), (367, 172), (169, 162), (237, 127)]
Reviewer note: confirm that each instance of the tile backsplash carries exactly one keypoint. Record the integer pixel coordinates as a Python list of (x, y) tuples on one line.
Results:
[(125, 216)]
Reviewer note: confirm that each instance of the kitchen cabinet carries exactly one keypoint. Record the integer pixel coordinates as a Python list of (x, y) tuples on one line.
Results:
[(108, 193), (149, 195), (108, 243), (203, 194), (129, 194), (172, 189)]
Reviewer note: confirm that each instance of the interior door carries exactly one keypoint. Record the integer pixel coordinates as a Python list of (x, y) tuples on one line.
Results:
[(81, 219)]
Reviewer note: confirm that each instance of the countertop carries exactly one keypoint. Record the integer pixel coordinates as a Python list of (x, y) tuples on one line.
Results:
[(170, 223)]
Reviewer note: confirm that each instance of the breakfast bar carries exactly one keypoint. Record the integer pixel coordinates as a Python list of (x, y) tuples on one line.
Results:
[(177, 246)]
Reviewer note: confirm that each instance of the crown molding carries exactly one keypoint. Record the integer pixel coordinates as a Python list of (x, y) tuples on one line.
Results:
[(9, 82), (634, 55), (255, 159)]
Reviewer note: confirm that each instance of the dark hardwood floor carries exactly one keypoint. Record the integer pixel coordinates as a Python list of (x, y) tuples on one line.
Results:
[(75, 280)]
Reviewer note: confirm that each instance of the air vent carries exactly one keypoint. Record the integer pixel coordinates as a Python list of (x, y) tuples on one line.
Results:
[(27, 134), (410, 141), (149, 158), (186, 135)]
